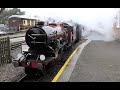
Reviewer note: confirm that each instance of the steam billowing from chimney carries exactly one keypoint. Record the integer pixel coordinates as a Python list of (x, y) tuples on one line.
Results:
[(98, 19)]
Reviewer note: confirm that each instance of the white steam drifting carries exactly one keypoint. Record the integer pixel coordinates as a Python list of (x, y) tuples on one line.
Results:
[(98, 19)]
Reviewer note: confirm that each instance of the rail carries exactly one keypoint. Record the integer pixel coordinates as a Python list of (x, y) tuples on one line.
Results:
[(21, 78), (17, 44), (13, 35)]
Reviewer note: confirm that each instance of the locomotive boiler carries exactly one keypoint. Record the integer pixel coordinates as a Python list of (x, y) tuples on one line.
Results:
[(46, 44), (45, 37)]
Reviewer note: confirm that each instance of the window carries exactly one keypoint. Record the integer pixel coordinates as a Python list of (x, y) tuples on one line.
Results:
[(23, 21), (13, 20)]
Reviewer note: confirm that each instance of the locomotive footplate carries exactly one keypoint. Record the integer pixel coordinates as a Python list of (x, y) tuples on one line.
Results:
[(28, 63)]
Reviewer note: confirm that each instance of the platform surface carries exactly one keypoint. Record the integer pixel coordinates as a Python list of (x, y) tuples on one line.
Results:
[(97, 61)]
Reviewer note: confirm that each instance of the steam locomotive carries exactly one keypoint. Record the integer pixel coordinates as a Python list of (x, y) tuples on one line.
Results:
[(47, 43)]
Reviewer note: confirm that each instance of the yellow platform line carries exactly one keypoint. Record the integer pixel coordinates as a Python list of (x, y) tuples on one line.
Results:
[(64, 66)]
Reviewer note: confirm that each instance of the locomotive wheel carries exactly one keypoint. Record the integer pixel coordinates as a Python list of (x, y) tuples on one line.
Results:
[(65, 48), (30, 71), (40, 73), (61, 54), (70, 47)]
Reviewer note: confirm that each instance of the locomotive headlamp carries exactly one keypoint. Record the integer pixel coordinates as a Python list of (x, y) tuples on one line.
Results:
[(42, 57)]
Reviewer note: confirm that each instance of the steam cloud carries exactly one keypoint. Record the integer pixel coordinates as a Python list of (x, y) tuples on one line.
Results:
[(97, 19)]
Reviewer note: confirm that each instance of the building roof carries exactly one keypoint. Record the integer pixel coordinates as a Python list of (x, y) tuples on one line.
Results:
[(23, 16)]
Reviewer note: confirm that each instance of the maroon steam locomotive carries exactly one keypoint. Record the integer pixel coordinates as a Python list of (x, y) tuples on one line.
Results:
[(46, 45)]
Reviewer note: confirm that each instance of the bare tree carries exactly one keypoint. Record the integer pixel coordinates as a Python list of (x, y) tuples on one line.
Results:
[(1, 10)]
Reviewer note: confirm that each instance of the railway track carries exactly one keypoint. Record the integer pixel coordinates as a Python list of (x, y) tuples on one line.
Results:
[(12, 34), (21, 78), (47, 77)]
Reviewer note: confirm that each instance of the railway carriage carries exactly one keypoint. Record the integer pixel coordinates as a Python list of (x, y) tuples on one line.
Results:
[(20, 22)]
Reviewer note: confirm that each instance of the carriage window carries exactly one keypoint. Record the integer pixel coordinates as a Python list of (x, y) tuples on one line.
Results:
[(13, 20), (24, 21)]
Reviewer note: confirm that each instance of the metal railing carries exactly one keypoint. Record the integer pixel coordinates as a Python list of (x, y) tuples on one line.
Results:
[(6, 48), (5, 56)]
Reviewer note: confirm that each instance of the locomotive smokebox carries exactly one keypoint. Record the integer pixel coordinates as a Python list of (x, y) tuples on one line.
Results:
[(35, 37)]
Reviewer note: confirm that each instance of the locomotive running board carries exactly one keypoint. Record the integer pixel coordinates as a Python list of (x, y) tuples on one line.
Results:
[(37, 42), (38, 34)]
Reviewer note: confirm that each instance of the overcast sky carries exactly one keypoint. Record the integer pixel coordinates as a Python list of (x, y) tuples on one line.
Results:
[(86, 16), (77, 14), (68, 13)]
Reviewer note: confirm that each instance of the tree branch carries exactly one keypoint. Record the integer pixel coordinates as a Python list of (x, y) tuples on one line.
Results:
[(1, 10)]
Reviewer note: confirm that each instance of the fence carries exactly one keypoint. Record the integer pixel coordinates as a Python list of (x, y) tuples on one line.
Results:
[(5, 56), (9, 51)]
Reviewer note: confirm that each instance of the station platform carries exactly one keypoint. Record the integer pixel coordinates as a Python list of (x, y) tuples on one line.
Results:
[(92, 61)]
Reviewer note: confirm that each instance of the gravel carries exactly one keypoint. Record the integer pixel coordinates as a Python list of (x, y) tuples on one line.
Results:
[(8, 72)]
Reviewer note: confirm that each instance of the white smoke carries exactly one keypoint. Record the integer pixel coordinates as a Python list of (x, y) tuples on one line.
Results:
[(98, 19)]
